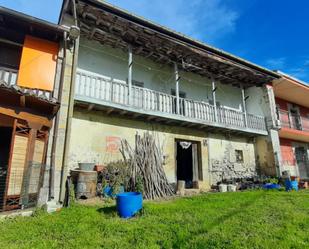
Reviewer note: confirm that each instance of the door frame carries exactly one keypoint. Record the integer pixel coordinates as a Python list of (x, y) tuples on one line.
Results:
[(32, 136), (199, 157)]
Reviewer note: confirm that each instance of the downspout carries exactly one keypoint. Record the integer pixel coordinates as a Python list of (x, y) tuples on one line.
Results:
[(56, 128), (70, 112)]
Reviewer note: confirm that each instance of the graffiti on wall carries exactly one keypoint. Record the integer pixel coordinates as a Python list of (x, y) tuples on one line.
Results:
[(113, 144)]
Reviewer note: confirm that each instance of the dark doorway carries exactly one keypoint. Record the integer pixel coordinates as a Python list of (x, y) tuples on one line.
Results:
[(295, 119), (5, 145), (302, 162), (187, 163)]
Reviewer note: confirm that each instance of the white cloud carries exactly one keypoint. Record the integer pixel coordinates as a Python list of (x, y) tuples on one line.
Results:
[(276, 63), (296, 68), (208, 20), (301, 73)]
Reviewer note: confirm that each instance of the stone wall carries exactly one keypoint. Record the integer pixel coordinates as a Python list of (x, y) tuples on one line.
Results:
[(223, 152)]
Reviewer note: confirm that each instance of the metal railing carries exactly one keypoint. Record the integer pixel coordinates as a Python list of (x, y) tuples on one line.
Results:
[(95, 86), (290, 120)]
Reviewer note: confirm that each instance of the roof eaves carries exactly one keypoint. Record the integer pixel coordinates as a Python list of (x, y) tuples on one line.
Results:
[(30, 19), (292, 78), (159, 28)]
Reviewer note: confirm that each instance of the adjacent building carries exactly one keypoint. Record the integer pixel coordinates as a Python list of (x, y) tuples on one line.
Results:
[(292, 102), (32, 69)]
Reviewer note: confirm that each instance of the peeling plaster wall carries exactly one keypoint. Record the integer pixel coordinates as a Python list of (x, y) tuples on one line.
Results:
[(96, 136), (222, 157), (265, 156), (263, 101)]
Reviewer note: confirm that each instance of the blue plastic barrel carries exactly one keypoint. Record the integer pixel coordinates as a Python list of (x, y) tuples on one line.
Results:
[(291, 185), (129, 203)]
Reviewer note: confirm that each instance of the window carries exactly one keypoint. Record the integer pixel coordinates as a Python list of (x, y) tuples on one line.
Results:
[(9, 55), (137, 83), (239, 156), (211, 102), (181, 94)]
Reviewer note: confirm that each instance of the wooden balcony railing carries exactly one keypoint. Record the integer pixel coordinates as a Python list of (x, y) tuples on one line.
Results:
[(92, 86), (9, 76), (293, 121)]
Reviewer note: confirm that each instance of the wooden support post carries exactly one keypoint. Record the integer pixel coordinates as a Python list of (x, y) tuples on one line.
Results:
[(244, 106), (213, 83), (177, 88), (130, 65), (24, 195)]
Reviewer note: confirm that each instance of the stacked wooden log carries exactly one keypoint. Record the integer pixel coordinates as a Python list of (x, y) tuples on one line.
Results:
[(145, 163)]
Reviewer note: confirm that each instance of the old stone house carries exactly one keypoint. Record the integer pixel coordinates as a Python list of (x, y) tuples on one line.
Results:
[(293, 112), (109, 75), (213, 112)]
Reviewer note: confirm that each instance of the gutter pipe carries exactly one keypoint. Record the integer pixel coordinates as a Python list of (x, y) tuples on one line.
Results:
[(70, 112), (56, 128)]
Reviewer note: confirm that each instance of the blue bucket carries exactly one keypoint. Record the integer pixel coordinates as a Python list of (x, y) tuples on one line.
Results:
[(271, 186), (129, 203), (291, 185)]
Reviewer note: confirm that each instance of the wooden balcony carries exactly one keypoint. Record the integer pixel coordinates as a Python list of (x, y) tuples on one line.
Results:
[(101, 91), (9, 77)]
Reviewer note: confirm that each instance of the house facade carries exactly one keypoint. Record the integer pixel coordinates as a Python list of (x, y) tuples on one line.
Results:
[(212, 112), (33, 64), (293, 112)]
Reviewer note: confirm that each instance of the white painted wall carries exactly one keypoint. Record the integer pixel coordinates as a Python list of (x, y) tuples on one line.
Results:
[(112, 62)]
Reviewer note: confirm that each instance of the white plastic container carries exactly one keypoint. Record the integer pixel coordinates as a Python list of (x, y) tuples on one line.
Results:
[(222, 188), (231, 188)]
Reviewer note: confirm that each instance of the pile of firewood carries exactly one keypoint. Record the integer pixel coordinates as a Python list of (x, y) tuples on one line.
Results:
[(145, 163)]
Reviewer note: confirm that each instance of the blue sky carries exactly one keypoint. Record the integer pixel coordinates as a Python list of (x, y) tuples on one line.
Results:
[(271, 33)]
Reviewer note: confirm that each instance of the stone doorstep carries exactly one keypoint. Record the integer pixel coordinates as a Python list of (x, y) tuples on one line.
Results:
[(189, 192), (14, 213)]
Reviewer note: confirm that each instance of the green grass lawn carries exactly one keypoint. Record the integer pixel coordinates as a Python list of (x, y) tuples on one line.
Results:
[(259, 219)]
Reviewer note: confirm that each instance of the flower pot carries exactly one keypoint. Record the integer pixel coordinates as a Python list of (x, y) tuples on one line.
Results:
[(99, 168), (222, 188), (86, 166), (231, 188)]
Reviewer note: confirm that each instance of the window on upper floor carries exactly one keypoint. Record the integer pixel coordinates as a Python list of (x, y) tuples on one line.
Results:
[(137, 83), (181, 93), (239, 155), (10, 55), (295, 118)]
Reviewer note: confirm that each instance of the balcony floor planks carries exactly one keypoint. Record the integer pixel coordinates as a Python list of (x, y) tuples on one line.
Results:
[(154, 115)]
